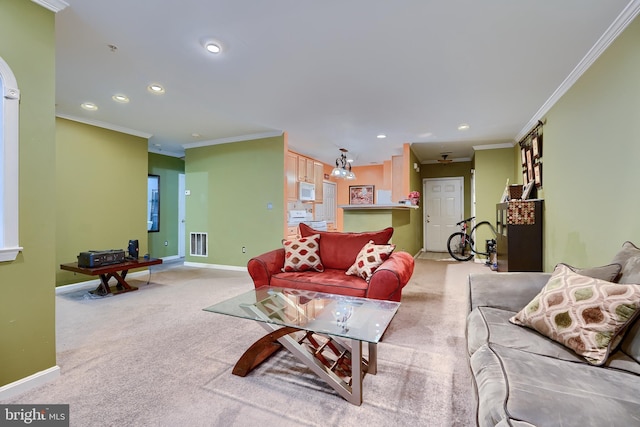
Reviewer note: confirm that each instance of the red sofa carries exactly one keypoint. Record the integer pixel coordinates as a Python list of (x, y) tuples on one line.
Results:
[(338, 252)]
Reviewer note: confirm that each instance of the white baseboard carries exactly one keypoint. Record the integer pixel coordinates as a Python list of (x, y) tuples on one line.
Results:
[(170, 258), (72, 287), (25, 384), (215, 266)]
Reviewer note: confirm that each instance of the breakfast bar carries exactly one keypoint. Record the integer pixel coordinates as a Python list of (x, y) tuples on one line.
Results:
[(359, 218)]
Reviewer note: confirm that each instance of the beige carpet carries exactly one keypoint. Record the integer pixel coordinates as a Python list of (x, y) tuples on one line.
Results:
[(154, 358)]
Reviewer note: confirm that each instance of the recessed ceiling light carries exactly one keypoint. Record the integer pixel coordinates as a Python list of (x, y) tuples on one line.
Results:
[(213, 47), (123, 99), (381, 136), (463, 126), (89, 106), (155, 88)]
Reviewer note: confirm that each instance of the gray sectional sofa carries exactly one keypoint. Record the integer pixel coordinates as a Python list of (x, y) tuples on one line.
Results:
[(523, 378)]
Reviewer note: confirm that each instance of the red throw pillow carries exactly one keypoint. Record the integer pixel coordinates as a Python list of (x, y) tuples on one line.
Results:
[(302, 254), (369, 259), (339, 250)]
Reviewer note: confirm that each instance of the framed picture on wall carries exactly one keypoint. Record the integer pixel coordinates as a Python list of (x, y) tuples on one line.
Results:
[(361, 194), (529, 166), (523, 154), (536, 146), (537, 172)]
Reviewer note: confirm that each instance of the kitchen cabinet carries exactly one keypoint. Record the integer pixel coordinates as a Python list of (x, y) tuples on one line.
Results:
[(519, 239), (318, 179), (306, 169), (291, 174)]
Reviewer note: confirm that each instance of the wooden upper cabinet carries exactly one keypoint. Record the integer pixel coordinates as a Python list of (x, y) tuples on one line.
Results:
[(302, 168), (310, 176), (291, 176), (318, 174), (305, 169)]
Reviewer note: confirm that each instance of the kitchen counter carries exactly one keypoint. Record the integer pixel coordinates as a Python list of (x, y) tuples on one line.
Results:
[(404, 219), (378, 206)]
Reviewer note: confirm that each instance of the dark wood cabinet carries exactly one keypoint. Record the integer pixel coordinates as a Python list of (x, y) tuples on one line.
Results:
[(519, 241)]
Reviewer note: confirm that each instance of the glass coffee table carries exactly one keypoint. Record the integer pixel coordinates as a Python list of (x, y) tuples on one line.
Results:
[(323, 331)]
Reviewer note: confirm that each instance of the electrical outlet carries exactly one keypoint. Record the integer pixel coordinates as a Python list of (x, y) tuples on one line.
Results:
[(166, 243), (244, 250)]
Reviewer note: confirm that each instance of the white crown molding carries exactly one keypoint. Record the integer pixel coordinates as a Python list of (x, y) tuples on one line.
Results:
[(493, 146), (618, 26), (53, 5), (166, 152), (104, 125), (233, 139)]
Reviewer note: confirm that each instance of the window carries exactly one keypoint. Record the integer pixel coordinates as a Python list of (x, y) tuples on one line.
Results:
[(153, 203), (9, 110)]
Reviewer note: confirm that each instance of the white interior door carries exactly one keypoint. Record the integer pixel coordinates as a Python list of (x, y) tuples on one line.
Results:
[(181, 215), (329, 202), (443, 208)]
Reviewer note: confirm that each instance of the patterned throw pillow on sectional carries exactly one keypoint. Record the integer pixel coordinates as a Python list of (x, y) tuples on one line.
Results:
[(371, 256), (584, 314), (302, 254)]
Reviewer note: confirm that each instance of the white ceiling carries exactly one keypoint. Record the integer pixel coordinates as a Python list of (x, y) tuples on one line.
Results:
[(331, 73)]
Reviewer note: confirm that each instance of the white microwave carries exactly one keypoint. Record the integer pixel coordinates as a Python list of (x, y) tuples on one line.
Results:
[(307, 192)]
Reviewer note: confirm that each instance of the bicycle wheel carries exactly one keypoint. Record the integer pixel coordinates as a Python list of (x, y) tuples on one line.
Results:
[(459, 246), (474, 229)]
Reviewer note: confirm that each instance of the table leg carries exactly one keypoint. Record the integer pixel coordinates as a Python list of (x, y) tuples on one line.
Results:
[(350, 391), (122, 284), (121, 287), (260, 351), (357, 373), (373, 359), (103, 288)]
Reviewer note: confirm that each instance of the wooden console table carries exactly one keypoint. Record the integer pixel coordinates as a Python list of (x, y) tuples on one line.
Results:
[(118, 271)]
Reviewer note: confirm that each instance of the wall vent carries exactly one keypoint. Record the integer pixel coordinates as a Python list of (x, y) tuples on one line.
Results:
[(199, 246)]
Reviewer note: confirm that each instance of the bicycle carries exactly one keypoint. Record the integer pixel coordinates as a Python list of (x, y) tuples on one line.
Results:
[(461, 245)]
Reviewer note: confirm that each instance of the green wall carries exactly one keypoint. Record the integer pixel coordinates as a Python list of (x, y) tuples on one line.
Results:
[(591, 152), (411, 232), (231, 187), (101, 192), (168, 168), (492, 169), (27, 305)]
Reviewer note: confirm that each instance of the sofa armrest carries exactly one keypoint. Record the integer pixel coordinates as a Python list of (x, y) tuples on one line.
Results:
[(262, 267), (388, 280), (507, 291)]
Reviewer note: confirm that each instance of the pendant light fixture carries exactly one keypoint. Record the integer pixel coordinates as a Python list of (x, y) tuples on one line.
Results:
[(343, 167)]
